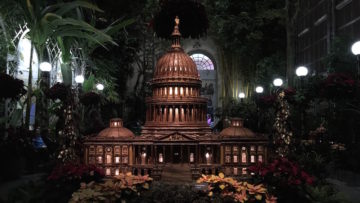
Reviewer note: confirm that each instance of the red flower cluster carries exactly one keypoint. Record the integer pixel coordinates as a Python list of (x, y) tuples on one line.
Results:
[(74, 171), (266, 101), (286, 171), (58, 91), (338, 85)]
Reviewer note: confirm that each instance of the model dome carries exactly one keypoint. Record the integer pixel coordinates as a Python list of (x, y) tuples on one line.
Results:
[(176, 65), (237, 129), (116, 130)]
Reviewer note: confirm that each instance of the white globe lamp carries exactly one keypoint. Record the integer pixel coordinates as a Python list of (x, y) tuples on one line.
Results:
[(278, 82), (45, 67), (100, 87), (79, 79), (259, 89), (355, 48), (301, 71)]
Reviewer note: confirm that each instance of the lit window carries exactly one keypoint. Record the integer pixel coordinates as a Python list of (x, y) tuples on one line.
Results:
[(227, 159), (108, 171), (260, 158), (252, 148), (117, 159), (243, 157), (117, 172), (252, 158), (92, 150), (99, 149), (235, 171), (99, 160), (191, 157), (161, 158), (244, 171), (202, 62), (108, 159), (235, 158)]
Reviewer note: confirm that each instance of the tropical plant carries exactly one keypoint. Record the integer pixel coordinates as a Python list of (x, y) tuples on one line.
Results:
[(52, 21)]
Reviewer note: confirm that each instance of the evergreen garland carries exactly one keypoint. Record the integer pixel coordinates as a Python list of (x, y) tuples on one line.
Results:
[(282, 132)]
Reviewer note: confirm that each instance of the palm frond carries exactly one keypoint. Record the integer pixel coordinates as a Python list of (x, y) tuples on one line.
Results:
[(63, 8)]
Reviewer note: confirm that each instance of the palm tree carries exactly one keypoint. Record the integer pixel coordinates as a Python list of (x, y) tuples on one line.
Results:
[(52, 21)]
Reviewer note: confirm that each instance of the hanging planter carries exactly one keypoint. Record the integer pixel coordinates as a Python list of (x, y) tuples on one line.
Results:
[(58, 91), (193, 19), (11, 88), (90, 98)]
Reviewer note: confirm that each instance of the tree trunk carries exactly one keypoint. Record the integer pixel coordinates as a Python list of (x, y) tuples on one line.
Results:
[(29, 89)]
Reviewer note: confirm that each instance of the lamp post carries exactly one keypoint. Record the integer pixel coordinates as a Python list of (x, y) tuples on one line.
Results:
[(355, 49), (302, 72), (278, 82), (241, 96), (79, 79), (259, 90), (45, 68)]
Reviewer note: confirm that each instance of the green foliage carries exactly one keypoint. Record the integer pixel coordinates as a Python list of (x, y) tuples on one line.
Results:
[(89, 84), (325, 194)]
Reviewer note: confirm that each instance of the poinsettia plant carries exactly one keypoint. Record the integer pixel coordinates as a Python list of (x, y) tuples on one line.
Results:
[(121, 187), (338, 85), (75, 172), (283, 171), (226, 187)]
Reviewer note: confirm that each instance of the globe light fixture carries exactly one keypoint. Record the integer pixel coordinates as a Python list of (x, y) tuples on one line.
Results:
[(301, 71), (45, 67), (259, 89), (241, 95), (278, 82), (355, 48), (79, 79), (100, 87)]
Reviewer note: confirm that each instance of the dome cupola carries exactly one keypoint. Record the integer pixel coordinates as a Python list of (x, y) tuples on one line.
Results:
[(116, 130), (237, 129), (176, 65)]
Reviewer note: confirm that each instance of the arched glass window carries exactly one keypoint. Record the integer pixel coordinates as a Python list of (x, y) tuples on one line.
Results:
[(202, 62), (24, 49)]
